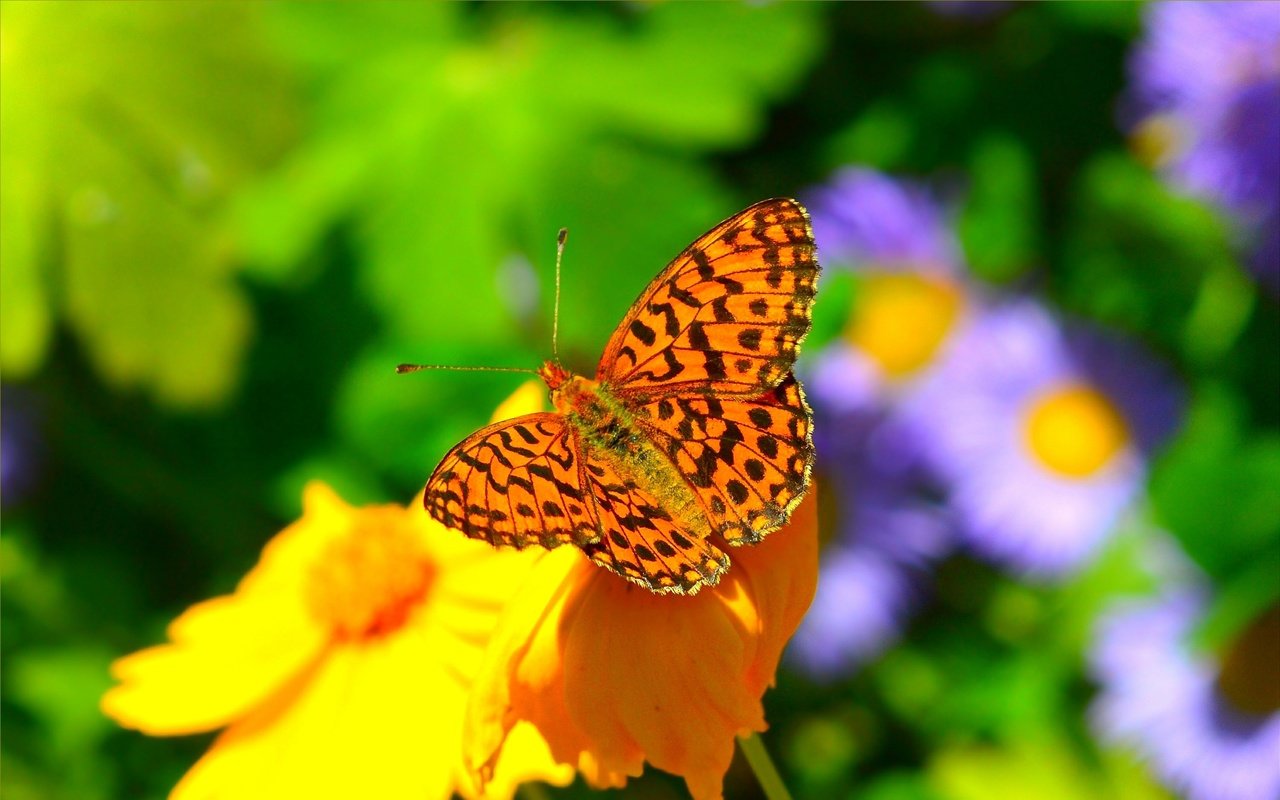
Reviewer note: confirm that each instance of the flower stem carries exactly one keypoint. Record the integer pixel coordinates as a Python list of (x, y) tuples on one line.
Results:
[(762, 766)]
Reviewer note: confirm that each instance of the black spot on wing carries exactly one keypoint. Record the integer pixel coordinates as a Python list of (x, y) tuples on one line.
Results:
[(643, 332), (671, 325)]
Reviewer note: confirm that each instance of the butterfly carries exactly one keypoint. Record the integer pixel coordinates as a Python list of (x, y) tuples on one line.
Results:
[(693, 433)]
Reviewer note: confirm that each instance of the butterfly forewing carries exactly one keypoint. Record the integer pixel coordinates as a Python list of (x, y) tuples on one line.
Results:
[(727, 316), (516, 483)]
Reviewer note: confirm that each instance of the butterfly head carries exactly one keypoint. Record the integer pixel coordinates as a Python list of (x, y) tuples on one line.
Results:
[(569, 393), (553, 374)]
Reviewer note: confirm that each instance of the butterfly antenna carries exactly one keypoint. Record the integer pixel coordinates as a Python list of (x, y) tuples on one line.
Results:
[(555, 314), (403, 368)]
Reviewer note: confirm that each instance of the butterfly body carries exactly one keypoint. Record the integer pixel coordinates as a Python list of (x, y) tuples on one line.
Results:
[(605, 428), (693, 433)]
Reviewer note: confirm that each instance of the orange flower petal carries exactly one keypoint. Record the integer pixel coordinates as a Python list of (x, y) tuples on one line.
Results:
[(613, 676)]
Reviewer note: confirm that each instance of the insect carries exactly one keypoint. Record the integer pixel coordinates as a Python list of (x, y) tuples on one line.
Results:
[(693, 433)]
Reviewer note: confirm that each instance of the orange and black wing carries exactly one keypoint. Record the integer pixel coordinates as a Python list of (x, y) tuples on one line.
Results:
[(641, 541), (748, 460), (727, 316), (518, 483)]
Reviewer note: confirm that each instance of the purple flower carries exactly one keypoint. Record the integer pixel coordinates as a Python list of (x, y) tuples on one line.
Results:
[(1041, 434), (969, 9), (888, 535), (1161, 698), (19, 454), (865, 220), (912, 295), (1207, 76), (911, 298)]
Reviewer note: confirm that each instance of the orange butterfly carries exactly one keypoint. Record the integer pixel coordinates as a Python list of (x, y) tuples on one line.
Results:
[(694, 430)]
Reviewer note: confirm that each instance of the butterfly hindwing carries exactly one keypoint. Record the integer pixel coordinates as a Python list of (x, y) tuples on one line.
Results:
[(641, 542), (747, 460), (727, 316), (518, 483)]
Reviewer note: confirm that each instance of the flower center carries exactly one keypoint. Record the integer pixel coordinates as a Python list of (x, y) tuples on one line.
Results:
[(1248, 676), (367, 581), (1158, 140), (900, 319), (1074, 430)]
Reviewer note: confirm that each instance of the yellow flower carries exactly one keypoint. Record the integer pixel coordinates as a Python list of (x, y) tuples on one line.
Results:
[(613, 676), (341, 665), (902, 319)]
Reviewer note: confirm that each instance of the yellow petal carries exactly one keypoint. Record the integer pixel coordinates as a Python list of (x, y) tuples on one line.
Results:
[(529, 398), (613, 676), (245, 649), (229, 654), (373, 719), (525, 757)]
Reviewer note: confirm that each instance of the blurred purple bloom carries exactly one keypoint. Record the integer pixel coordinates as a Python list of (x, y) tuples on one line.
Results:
[(19, 454), (910, 301), (10, 460), (887, 537), (844, 379), (1017, 395), (1212, 69), (872, 579), (1162, 699), (970, 9), (912, 296), (865, 220)]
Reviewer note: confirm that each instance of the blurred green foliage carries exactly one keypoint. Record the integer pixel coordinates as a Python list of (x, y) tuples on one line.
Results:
[(224, 224), (125, 135)]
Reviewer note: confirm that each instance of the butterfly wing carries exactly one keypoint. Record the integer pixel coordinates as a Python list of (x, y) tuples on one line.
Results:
[(527, 481), (641, 542), (518, 482), (726, 316), (703, 360), (703, 363), (748, 460)]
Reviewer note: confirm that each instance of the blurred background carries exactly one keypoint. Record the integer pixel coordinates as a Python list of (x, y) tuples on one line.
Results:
[(1044, 360)]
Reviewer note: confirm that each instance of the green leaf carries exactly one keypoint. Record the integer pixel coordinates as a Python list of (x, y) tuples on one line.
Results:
[(638, 216), (898, 786), (1138, 256), (838, 293), (1043, 765), (1239, 599), (881, 138), (999, 223), (443, 149), (127, 128), (62, 688), (26, 318), (1218, 487)]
